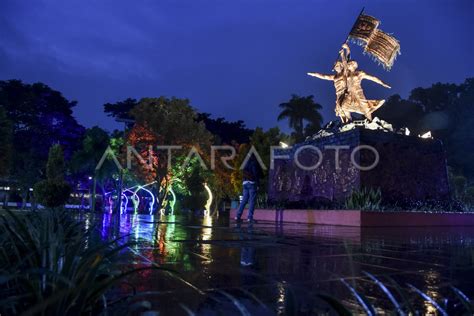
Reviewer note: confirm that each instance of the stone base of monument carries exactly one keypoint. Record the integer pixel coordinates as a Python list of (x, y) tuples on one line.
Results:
[(324, 170)]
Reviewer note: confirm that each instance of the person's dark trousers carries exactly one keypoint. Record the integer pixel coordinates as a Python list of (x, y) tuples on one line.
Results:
[(249, 192)]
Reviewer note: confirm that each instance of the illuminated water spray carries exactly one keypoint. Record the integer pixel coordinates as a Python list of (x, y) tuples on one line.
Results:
[(110, 201), (207, 211), (123, 208), (172, 203), (153, 200), (135, 199)]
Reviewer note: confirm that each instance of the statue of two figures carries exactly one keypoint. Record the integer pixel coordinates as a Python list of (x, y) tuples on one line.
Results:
[(349, 94)]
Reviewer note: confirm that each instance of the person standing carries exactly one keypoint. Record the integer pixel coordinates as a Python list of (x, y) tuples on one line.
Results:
[(251, 175)]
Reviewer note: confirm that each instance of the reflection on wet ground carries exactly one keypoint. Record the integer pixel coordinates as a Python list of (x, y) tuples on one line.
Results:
[(263, 268)]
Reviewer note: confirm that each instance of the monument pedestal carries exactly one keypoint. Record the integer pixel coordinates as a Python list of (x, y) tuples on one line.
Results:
[(409, 168)]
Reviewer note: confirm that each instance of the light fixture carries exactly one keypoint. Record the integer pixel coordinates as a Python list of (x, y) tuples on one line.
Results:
[(426, 135), (284, 145)]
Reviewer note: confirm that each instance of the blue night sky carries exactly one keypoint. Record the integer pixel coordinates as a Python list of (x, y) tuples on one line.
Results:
[(233, 58)]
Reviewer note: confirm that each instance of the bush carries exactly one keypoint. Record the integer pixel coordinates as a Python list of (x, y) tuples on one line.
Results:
[(459, 183), (364, 199), (49, 266), (196, 199), (469, 196), (52, 193)]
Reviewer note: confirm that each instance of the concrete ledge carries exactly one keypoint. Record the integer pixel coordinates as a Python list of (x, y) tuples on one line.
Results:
[(362, 218)]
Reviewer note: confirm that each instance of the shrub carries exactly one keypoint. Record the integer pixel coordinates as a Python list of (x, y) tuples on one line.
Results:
[(364, 199), (459, 183), (196, 199), (52, 193), (469, 195), (49, 266)]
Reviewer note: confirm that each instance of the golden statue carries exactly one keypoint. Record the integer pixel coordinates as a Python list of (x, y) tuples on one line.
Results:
[(349, 94)]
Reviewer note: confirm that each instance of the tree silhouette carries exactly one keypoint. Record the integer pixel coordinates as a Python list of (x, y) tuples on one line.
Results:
[(444, 109), (121, 111), (54, 191), (5, 142), (226, 131), (40, 117), (302, 114)]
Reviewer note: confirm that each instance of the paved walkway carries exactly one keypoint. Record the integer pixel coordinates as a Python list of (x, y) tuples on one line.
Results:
[(262, 268)]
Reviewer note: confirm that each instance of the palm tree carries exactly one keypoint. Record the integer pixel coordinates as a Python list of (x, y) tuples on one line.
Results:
[(303, 115)]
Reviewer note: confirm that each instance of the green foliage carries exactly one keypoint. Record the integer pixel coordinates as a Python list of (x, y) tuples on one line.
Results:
[(40, 117), (444, 109), (225, 132), (398, 300), (85, 160), (121, 110), (54, 191), (469, 196), (303, 116), (364, 199), (262, 141), (49, 267), (55, 165), (167, 121), (172, 120), (193, 179), (5, 142), (459, 183), (461, 190)]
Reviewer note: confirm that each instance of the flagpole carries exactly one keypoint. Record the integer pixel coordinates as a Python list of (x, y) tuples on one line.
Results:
[(353, 25), (348, 34)]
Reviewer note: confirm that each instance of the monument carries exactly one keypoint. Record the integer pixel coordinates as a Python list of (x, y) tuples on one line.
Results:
[(354, 154)]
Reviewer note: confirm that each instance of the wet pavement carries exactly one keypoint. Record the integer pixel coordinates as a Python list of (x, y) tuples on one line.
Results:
[(265, 269)]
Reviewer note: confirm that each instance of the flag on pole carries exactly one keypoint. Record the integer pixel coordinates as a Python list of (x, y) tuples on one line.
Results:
[(381, 46)]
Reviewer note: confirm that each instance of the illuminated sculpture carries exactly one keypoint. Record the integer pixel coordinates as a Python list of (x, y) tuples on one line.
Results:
[(349, 94), (383, 47), (405, 168)]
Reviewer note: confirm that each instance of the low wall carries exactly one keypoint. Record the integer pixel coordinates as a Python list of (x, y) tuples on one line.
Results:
[(362, 218)]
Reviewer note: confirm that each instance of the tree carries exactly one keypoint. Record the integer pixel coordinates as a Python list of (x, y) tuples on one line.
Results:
[(262, 141), (121, 111), (166, 121), (54, 191), (303, 116), (444, 109), (226, 132), (84, 162), (40, 117), (5, 143), (195, 195), (401, 113)]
